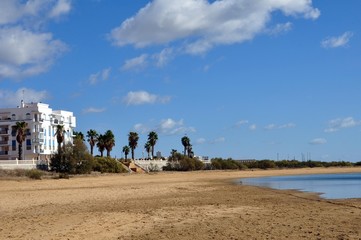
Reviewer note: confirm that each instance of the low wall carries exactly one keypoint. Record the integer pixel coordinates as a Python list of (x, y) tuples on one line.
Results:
[(151, 165), (18, 164)]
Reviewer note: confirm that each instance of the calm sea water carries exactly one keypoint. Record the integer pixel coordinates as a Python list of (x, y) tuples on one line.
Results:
[(330, 186)]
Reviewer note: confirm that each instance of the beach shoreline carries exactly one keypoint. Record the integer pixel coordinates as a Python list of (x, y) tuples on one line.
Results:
[(173, 205)]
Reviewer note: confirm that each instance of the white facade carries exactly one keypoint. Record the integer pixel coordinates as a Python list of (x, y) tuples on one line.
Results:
[(40, 142)]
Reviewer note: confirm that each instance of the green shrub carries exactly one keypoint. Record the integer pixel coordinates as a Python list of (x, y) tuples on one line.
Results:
[(34, 174), (108, 165)]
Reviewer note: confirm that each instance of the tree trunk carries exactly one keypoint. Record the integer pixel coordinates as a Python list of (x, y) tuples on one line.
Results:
[(20, 157), (132, 153), (91, 149)]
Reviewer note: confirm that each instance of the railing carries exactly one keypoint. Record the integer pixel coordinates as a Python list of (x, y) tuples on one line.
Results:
[(4, 142), (4, 153), (3, 131)]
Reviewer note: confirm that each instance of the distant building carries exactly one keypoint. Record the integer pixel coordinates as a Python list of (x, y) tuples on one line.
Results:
[(204, 159), (40, 142), (158, 155)]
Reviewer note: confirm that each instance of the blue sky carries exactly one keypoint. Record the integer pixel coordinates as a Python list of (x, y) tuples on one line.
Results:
[(261, 79)]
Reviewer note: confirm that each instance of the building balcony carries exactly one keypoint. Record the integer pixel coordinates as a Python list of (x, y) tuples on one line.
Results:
[(2, 153), (3, 142), (38, 140), (5, 131), (5, 119)]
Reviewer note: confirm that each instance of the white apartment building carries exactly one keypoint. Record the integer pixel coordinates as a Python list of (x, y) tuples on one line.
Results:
[(40, 141)]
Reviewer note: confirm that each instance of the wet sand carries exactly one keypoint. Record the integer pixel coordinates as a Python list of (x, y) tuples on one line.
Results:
[(194, 205)]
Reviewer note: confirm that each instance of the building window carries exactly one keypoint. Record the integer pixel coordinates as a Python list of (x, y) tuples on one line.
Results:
[(28, 144), (28, 116), (13, 131), (13, 117), (13, 145)]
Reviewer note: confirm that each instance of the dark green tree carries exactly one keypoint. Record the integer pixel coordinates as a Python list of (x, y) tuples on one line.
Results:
[(59, 133), (126, 151), (92, 137), (101, 144), (152, 140), (185, 142), (20, 129), (133, 141), (109, 141)]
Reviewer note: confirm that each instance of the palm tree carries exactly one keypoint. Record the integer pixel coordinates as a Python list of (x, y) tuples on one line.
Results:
[(190, 151), (78, 135), (133, 141), (101, 144), (148, 147), (92, 137), (59, 133), (109, 141), (126, 150), (185, 143), (152, 140), (20, 128)]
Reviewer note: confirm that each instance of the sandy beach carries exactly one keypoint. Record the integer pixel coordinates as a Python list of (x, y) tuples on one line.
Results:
[(191, 205)]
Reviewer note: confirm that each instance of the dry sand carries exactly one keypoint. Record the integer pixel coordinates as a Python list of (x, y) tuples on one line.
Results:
[(195, 205)]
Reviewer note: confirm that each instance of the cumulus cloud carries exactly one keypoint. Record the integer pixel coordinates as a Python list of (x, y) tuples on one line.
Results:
[(241, 123), (275, 126), (167, 126), (318, 141), (24, 49), (143, 97), (341, 123), (93, 110), (339, 41), (135, 63), (202, 24), (61, 7), (171, 127), (99, 76), (253, 127), (280, 28), (24, 53), (11, 99)]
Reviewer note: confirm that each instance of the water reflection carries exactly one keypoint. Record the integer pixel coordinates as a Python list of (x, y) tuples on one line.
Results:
[(331, 186)]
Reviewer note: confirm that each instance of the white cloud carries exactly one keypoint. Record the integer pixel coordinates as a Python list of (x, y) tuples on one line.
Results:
[(318, 141), (143, 97), (12, 99), (253, 127), (61, 7), (241, 122), (203, 24), (280, 28), (167, 126), (25, 49), (139, 127), (339, 41), (99, 76), (340, 123), (24, 53), (163, 57), (93, 110), (274, 126), (135, 63)]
